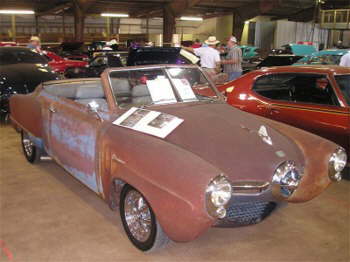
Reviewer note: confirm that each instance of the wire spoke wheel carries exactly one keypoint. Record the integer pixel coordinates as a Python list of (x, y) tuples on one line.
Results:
[(31, 152), (28, 146), (138, 216), (139, 221)]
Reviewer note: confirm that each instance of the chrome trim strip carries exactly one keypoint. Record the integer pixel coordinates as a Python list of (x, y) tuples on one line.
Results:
[(249, 187), (115, 158)]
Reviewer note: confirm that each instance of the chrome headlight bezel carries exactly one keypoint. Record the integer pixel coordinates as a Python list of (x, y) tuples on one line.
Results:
[(286, 179), (336, 164), (218, 194)]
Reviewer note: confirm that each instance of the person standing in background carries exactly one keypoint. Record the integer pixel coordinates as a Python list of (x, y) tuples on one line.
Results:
[(233, 60), (34, 44), (345, 60), (210, 57), (196, 44)]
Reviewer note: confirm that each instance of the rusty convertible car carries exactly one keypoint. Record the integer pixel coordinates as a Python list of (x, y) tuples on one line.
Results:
[(160, 143)]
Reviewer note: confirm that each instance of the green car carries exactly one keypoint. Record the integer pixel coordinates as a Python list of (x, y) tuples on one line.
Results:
[(324, 57), (249, 52)]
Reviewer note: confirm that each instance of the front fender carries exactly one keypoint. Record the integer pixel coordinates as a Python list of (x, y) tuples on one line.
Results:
[(317, 152), (172, 180)]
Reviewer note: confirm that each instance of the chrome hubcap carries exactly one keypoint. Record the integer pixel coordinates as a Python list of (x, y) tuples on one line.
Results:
[(137, 216), (28, 145)]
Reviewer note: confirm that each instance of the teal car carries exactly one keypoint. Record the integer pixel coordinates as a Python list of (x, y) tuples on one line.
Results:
[(295, 49), (249, 52), (324, 57)]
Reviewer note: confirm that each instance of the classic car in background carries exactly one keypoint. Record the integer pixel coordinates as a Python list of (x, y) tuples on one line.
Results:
[(136, 56), (60, 64), (21, 70), (97, 65), (249, 52), (8, 44), (160, 143), (70, 50), (270, 61), (324, 57), (314, 98), (295, 49)]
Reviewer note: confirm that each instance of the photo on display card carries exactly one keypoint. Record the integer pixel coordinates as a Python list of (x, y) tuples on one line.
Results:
[(150, 122)]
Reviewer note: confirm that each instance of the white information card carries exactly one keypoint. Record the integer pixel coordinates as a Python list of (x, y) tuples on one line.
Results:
[(150, 122)]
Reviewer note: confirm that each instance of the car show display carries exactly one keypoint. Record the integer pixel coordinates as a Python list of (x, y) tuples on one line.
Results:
[(115, 133), (174, 130)]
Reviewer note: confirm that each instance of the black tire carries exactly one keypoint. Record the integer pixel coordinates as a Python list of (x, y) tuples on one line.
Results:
[(30, 151), (346, 173), (157, 239)]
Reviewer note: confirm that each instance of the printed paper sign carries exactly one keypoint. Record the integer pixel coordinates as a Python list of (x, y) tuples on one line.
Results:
[(184, 89), (150, 122), (161, 91)]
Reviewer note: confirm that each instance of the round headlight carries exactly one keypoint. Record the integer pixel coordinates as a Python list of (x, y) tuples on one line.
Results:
[(218, 194), (337, 163), (220, 191), (287, 178)]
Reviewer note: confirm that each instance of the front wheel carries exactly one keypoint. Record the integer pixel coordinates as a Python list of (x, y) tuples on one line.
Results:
[(139, 221), (31, 152)]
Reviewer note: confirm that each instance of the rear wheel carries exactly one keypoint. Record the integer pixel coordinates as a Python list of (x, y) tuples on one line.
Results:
[(139, 221), (31, 152)]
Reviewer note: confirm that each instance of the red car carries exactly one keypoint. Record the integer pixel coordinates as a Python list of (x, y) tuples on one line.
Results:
[(60, 64), (8, 44), (314, 98)]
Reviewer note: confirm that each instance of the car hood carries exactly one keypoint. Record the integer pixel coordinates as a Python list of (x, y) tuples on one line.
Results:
[(229, 140)]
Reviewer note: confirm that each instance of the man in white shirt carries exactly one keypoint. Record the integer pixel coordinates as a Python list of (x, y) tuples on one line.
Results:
[(345, 60), (210, 57)]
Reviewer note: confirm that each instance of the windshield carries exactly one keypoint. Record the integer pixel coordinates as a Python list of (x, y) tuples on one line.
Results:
[(344, 85), (321, 60), (143, 87)]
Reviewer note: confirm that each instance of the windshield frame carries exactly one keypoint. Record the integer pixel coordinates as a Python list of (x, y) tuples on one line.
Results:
[(340, 90), (164, 68)]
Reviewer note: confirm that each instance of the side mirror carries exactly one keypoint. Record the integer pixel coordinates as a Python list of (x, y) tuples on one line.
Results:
[(93, 109)]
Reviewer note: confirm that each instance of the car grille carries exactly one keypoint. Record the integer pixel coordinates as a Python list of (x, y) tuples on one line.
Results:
[(246, 213)]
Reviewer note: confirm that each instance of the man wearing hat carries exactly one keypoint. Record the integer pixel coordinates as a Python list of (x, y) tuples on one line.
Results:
[(233, 60), (34, 44), (210, 57)]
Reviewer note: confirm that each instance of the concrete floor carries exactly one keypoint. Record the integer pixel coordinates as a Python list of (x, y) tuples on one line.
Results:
[(47, 215)]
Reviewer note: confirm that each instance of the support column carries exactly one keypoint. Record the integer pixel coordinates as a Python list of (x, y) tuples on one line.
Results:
[(13, 24), (238, 26), (37, 31), (79, 18), (169, 24), (147, 28), (63, 25), (108, 28)]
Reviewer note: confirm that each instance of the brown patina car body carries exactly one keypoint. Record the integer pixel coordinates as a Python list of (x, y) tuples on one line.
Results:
[(173, 173)]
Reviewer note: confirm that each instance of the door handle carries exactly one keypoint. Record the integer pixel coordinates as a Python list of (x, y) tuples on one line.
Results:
[(52, 109), (274, 110)]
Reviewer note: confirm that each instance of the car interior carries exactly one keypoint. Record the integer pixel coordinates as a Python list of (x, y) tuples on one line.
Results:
[(83, 92), (300, 88)]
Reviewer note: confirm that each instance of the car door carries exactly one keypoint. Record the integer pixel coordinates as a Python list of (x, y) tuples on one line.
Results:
[(309, 102), (71, 135)]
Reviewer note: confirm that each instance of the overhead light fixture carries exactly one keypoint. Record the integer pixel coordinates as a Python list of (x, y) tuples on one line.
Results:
[(191, 18), (17, 12), (114, 15), (247, 22)]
